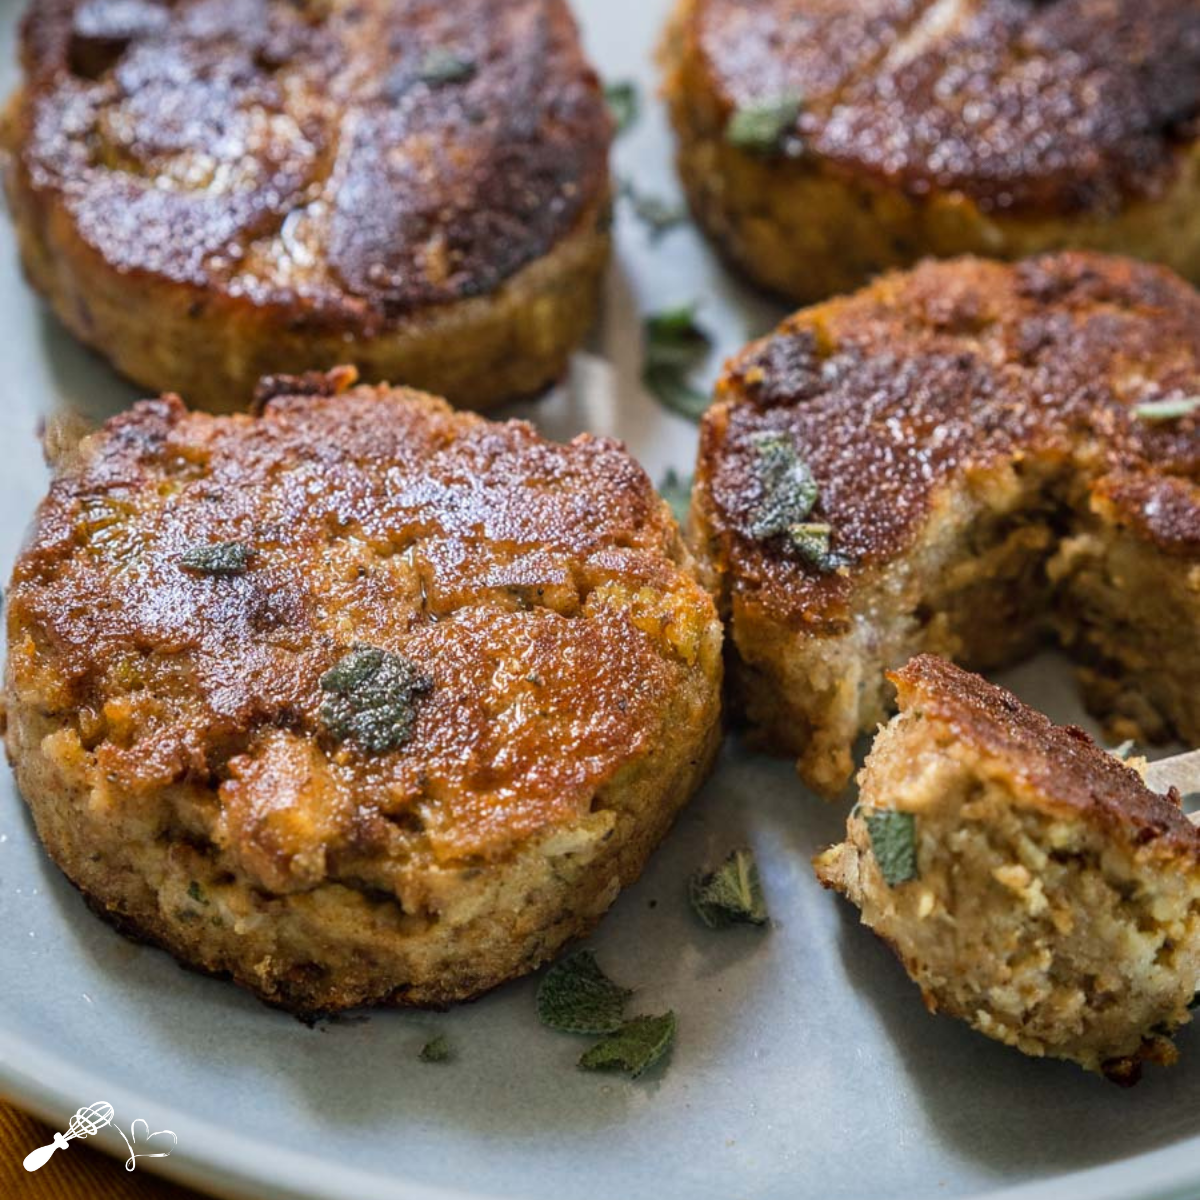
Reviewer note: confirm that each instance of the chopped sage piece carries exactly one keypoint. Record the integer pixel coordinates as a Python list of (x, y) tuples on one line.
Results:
[(763, 127), (1167, 410), (624, 103), (676, 490), (437, 1050), (577, 997), (372, 698), (675, 345), (219, 558), (658, 215), (789, 491), (196, 892), (441, 65), (894, 843), (732, 894), (635, 1046), (811, 541)]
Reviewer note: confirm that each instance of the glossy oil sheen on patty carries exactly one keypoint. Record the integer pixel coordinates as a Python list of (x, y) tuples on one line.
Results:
[(405, 695)]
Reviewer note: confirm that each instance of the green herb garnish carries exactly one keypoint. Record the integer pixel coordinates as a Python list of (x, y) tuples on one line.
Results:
[(577, 997), (372, 698), (658, 215), (730, 895), (635, 1046), (789, 491), (436, 1050), (675, 346), (1167, 410), (220, 558), (196, 892), (624, 103), (811, 541), (894, 843), (676, 490), (441, 65), (763, 127)]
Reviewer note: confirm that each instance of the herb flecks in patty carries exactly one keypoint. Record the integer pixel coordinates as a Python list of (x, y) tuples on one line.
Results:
[(219, 558), (675, 345), (577, 997), (372, 699), (1167, 410), (634, 1047), (442, 65), (730, 895), (894, 844), (788, 495), (764, 126)]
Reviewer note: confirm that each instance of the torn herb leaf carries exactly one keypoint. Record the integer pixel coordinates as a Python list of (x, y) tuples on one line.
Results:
[(577, 997), (811, 540), (196, 892), (788, 490), (624, 104), (675, 346), (1167, 410), (894, 844), (633, 1048), (676, 490), (372, 698), (658, 215), (763, 127), (436, 1050), (441, 65), (219, 558), (730, 895)]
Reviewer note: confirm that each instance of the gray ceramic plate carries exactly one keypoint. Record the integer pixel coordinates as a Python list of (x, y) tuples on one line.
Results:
[(805, 1064)]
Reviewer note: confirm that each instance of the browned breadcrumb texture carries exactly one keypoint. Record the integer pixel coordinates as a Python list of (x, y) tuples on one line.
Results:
[(937, 127), (1055, 901), (414, 732), (973, 435), (265, 181)]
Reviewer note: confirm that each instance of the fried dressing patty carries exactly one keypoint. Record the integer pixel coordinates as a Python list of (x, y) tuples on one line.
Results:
[(1028, 881), (212, 190), (957, 460), (359, 699), (823, 142)]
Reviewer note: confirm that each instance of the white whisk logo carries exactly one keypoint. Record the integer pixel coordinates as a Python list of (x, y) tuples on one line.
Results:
[(89, 1121)]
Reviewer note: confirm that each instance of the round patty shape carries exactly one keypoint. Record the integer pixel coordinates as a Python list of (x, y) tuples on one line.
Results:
[(823, 142), (1027, 879), (358, 700), (209, 191), (954, 460)]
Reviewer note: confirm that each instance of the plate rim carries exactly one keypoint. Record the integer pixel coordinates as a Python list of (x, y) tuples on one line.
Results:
[(224, 1163)]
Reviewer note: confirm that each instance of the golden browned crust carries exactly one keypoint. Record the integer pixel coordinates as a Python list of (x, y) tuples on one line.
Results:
[(1028, 880), (960, 409), (171, 726), (1059, 766), (939, 127), (270, 183)]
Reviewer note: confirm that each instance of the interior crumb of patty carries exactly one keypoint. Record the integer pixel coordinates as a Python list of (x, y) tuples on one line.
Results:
[(1037, 926)]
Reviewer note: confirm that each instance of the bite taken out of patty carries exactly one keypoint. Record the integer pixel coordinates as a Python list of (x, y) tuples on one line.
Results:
[(965, 459), (823, 141), (358, 699), (209, 191), (1026, 878)]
